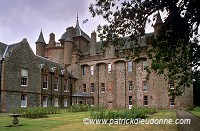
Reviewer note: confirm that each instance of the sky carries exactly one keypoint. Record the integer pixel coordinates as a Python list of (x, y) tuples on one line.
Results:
[(25, 18)]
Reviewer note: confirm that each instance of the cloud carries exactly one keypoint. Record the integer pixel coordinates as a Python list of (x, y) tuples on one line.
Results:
[(20, 17)]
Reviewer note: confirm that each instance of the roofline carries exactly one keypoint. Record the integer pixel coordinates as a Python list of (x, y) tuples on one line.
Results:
[(5, 51)]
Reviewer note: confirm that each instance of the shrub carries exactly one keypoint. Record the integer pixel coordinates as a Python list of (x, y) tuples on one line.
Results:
[(36, 112), (124, 114), (78, 108)]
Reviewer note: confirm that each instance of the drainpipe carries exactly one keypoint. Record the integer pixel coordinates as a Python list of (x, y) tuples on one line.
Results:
[(52, 87), (2, 106), (125, 84), (61, 92), (98, 83)]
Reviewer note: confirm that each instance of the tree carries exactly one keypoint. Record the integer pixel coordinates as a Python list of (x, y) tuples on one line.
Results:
[(175, 51)]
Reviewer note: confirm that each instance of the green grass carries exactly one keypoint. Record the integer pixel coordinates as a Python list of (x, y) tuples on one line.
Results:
[(196, 111), (73, 121)]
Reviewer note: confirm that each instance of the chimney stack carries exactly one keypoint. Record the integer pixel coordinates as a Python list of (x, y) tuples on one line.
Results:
[(93, 44), (52, 39)]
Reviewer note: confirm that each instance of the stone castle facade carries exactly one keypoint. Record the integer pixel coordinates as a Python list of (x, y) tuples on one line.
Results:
[(77, 70)]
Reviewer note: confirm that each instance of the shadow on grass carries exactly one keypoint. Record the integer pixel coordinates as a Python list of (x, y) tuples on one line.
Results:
[(14, 126)]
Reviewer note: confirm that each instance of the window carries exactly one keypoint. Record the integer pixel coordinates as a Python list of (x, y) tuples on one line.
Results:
[(109, 68), (92, 87), (130, 100), (144, 64), (84, 88), (84, 70), (145, 100), (102, 87), (66, 86), (92, 102), (130, 66), (56, 83), (171, 102), (23, 100), (171, 85), (65, 102), (45, 81), (24, 77), (130, 86), (56, 101), (44, 101), (145, 86), (92, 70)]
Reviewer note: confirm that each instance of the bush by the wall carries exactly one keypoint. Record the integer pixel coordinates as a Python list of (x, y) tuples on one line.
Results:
[(37, 112), (128, 114)]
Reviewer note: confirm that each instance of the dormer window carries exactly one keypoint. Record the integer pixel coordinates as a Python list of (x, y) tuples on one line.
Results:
[(53, 69)]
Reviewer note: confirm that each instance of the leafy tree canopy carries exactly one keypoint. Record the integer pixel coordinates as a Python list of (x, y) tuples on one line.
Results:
[(175, 50)]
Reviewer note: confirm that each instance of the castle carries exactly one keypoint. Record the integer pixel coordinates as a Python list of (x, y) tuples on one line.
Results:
[(77, 70)]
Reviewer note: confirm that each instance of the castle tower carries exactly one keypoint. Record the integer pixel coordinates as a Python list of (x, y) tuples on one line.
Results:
[(68, 46), (93, 44), (40, 45), (158, 24)]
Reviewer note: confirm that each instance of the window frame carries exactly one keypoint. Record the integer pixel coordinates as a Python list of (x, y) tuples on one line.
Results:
[(130, 86), (84, 70), (84, 88), (46, 101), (130, 100), (92, 70), (109, 67), (92, 87), (103, 88), (130, 66), (144, 64), (172, 100), (145, 101), (65, 102), (24, 101), (66, 88), (171, 85), (24, 79), (56, 83), (56, 101), (45, 82), (145, 86)]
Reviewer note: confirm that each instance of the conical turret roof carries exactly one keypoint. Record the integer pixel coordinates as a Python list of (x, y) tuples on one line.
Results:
[(41, 38)]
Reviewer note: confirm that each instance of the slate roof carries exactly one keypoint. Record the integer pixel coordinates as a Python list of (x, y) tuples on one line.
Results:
[(77, 32), (41, 38), (51, 64), (127, 45), (5, 49), (2, 49)]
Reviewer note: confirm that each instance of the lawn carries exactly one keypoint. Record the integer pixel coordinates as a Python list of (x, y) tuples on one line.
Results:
[(196, 111), (74, 122)]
